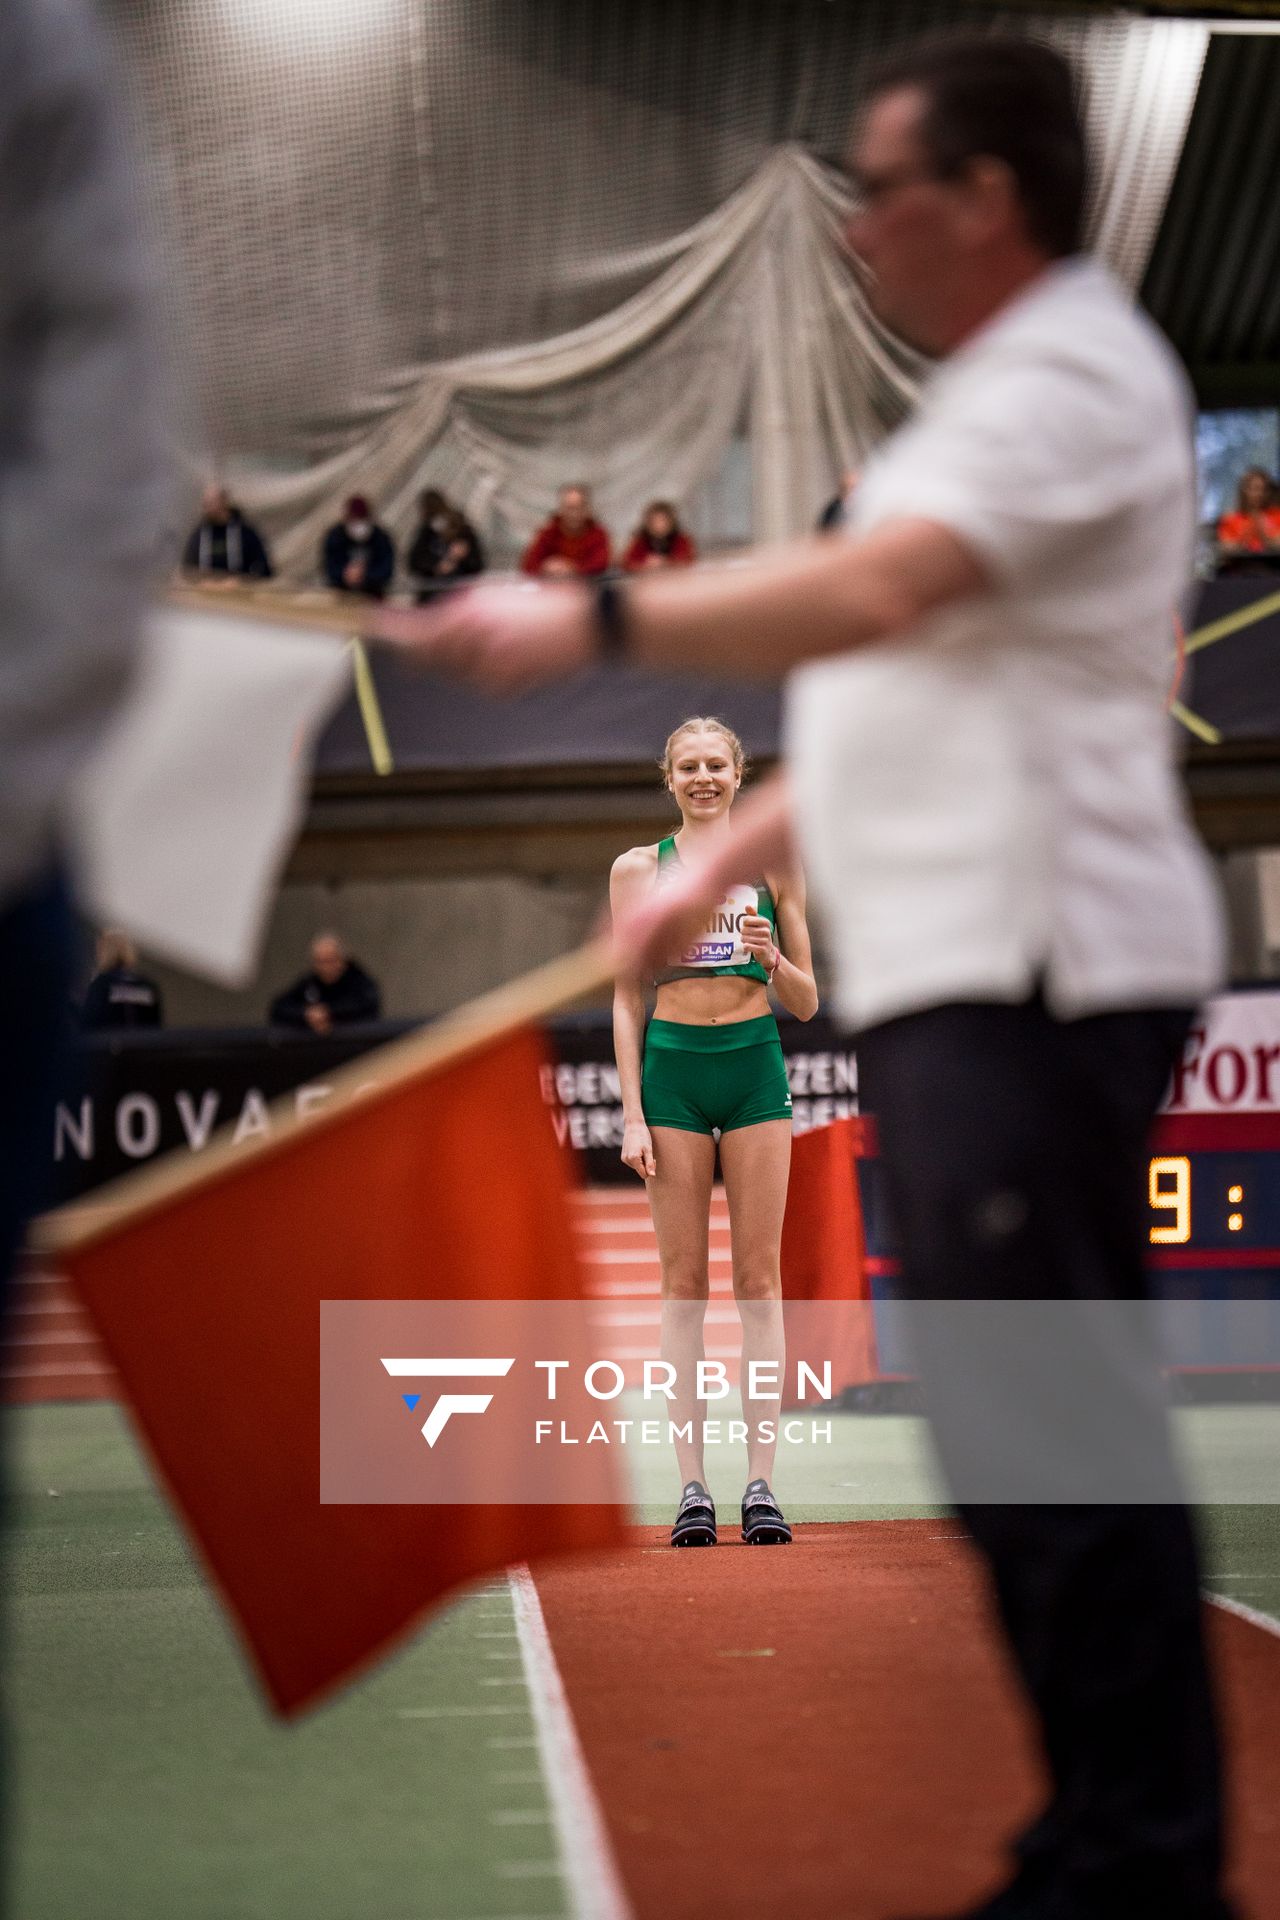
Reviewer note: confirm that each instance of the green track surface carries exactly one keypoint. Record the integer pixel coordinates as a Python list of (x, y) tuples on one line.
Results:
[(151, 1784)]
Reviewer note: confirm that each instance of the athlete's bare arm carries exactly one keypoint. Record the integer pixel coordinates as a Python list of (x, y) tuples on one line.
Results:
[(631, 881), (793, 980)]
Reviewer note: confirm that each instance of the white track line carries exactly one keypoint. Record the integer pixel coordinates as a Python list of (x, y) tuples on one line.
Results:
[(645, 1289), (624, 1194), (642, 1257), (644, 1316), (1265, 1621), (58, 1369), (641, 1226), (74, 1338), (591, 1877), (650, 1352)]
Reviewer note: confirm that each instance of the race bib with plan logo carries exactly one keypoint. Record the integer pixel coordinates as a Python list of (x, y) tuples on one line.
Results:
[(720, 942)]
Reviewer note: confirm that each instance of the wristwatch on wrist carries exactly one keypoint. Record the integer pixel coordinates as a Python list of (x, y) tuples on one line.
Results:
[(612, 638)]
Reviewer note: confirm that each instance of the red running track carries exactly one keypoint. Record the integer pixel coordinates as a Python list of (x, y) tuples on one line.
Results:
[(829, 1731)]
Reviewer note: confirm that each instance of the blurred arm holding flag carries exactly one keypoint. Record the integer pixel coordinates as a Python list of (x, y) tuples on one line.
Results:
[(205, 1278)]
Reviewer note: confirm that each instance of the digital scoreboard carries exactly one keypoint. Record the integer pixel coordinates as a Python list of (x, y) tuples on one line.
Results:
[(1213, 1231), (1213, 1194)]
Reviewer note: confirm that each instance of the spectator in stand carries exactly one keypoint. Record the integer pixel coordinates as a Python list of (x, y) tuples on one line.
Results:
[(223, 546), (446, 546), (659, 541), (118, 996), (571, 542), (1249, 538), (336, 993), (359, 556), (831, 519)]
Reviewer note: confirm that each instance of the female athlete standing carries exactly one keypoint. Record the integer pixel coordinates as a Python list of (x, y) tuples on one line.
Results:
[(711, 1062)]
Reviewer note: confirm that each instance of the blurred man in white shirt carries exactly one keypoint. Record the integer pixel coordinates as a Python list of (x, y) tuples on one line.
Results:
[(983, 788)]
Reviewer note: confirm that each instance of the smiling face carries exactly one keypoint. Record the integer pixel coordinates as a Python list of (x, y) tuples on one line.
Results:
[(702, 776)]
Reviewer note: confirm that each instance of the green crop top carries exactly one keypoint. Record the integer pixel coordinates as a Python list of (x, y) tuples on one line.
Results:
[(718, 949)]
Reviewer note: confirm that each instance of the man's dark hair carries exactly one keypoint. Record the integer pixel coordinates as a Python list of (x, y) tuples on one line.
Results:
[(1010, 98)]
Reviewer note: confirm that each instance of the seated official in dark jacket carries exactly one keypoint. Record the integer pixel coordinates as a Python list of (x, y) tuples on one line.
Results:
[(446, 546), (335, 993), (118, 995), (223, 545), (358, 556)]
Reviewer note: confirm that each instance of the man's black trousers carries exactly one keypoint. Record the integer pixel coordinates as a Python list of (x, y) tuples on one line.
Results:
[(1014, 1149)]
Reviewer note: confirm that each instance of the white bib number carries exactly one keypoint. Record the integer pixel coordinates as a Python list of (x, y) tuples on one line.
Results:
[(720, 942)]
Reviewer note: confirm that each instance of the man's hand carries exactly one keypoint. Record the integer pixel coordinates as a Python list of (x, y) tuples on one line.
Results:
[(501, 637), (668, 922), (319, 1018)]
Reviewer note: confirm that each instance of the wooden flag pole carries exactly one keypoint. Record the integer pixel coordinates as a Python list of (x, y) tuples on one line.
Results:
[(469, 1028)]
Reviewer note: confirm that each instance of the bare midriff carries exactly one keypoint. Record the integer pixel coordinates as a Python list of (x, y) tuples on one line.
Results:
[(713, 1002)]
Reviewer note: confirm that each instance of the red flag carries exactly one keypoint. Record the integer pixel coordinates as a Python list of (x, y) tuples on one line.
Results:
[(823, 1247), (824, 1253), (447, 1185)]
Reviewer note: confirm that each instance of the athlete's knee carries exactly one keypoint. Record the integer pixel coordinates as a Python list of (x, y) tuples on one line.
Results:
[(757, 1282), (684, 1282)]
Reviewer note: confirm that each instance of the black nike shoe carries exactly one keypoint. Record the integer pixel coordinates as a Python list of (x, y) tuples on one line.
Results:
[(762, 1521), (695, 1518)]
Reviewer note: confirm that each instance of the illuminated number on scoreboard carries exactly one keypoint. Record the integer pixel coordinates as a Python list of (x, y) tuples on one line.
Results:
[(1169, 1190)]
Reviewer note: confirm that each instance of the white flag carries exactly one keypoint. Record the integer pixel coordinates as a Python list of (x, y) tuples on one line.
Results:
[(180, 826)]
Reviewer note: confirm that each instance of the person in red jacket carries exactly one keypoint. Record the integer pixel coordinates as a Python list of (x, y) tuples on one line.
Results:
[(659, 541), (1249, 538), (571, 542)]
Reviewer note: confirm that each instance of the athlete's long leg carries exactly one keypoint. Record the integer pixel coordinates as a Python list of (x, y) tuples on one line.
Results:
[(680, 1200), (756, 1162)]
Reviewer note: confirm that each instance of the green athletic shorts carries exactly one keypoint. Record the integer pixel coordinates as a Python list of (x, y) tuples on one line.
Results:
[(714, 1079)]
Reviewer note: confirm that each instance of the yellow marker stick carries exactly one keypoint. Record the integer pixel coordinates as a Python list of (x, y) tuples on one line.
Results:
[(1232, 622), (371, 711), (1202, 729)]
